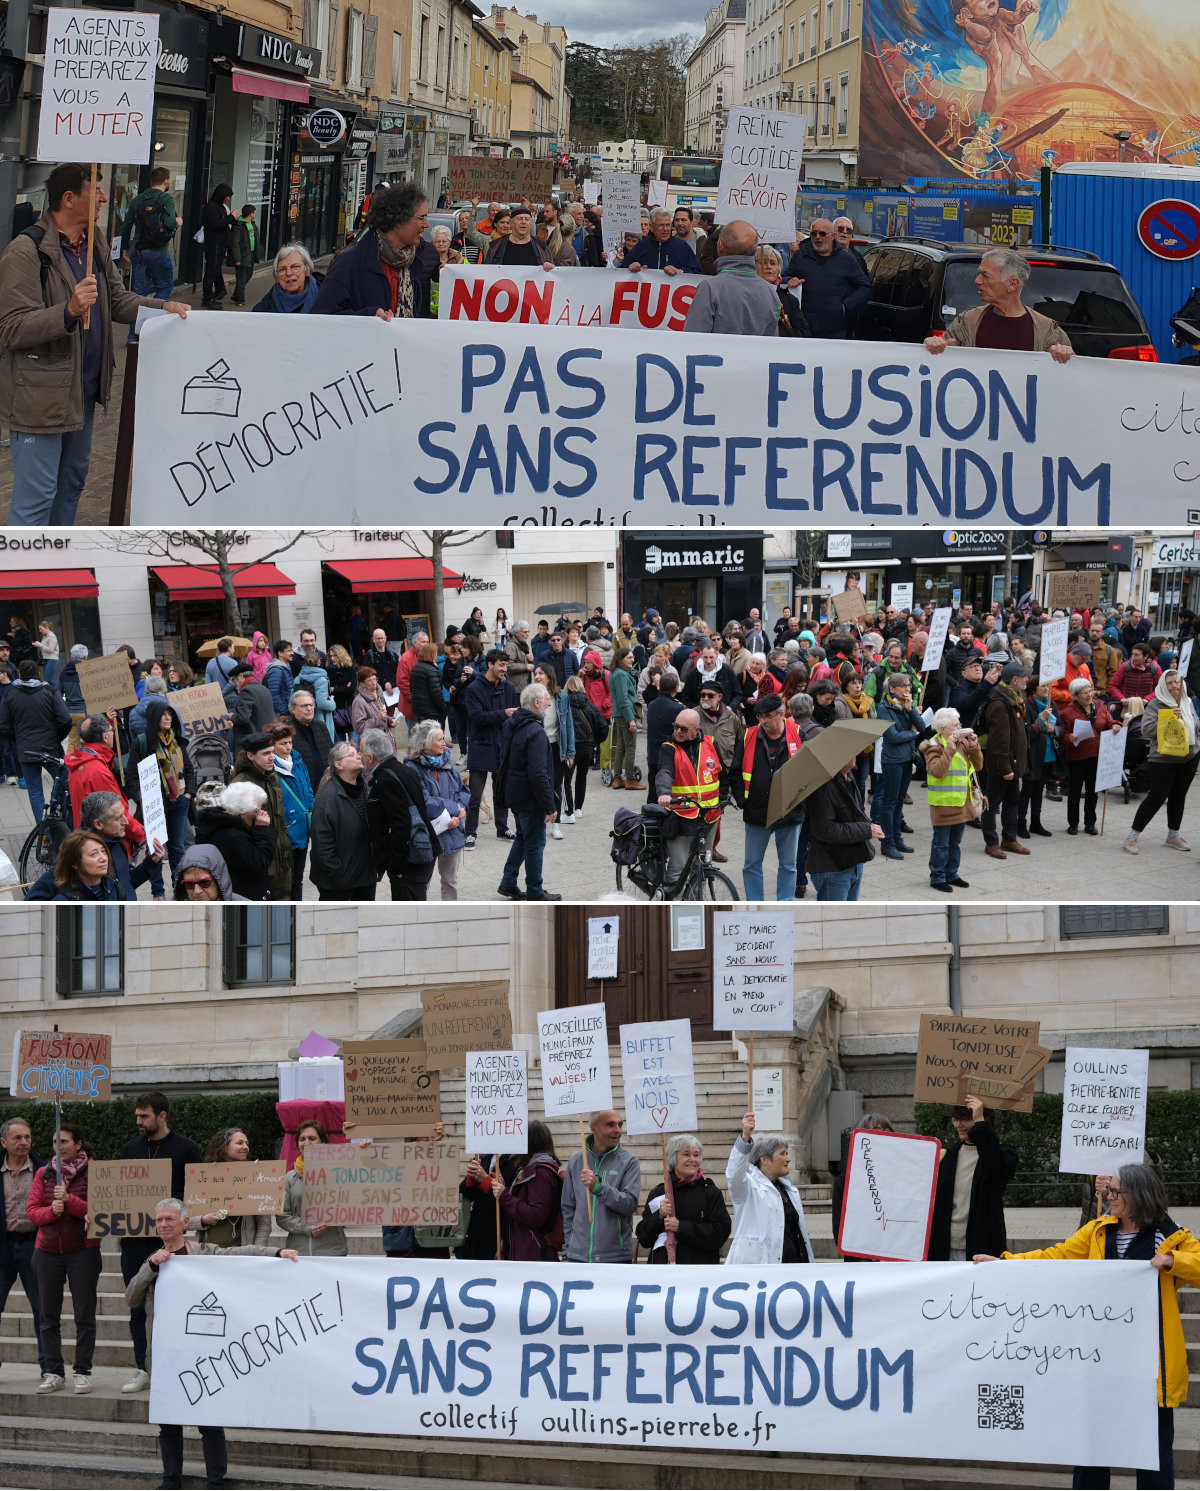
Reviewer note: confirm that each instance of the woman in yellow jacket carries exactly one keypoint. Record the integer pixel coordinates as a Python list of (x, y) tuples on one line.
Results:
[(1138, 1227)]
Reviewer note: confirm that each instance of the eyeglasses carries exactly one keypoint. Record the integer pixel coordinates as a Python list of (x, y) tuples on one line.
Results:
[(201, 884)]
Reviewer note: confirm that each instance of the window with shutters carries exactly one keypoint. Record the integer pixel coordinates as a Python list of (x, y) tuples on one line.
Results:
[(397, 64), (1113, 921), (354, 51), (260, 946), (312, 23), (89, 951), (370, 51), (330, 52), (437, 57), (422, 46)]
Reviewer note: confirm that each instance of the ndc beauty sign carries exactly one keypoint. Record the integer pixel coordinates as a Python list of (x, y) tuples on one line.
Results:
[(506, 423)]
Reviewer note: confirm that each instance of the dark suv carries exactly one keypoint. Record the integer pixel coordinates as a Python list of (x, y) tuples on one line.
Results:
[(919, 285)]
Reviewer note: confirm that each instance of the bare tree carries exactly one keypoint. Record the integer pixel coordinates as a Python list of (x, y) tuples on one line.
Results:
[(436, 540)]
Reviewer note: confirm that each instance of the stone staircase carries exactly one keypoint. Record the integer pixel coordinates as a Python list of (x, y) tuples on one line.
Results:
[(105, 1439)]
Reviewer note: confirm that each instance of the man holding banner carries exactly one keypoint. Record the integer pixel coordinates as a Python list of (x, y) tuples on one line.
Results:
[(56, 360)]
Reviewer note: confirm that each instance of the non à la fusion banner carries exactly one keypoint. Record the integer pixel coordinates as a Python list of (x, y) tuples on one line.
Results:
[(649, 300), (1037, 1361), (505, 425)]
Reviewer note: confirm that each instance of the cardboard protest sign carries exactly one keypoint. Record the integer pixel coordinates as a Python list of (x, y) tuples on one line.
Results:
[(574, 1048), (389, 1091), (622, 202), (490, 178), (1104, 1110), (154, 813), (61, 1065), (462, 1018), (656, 194), (887, 1204), (1073, 589), (202, 710), (753, 977), (1185, 657), (248, 1188), (850, 606), (939, 628), (497, 1096), (604, 935), (768, 1098), (122, 1195), (1110, 761), (647, 301), (381, 1185), (106, 682), (98, 87), (658, 1077), (591, 191), (1053, 662), (987, 1054), (760, 171)]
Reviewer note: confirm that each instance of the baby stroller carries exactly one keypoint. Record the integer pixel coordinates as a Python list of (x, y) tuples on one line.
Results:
[(210, 759)]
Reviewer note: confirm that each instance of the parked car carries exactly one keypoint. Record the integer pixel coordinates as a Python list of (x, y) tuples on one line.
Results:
[(919, 285)]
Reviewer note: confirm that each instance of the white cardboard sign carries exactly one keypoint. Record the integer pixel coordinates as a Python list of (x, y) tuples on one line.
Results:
[(768, 1099), (154, 814), (760, 171), (1110, 763), (887, 1205), (622, 202), (604, 935), (98, 86), (574, 1047), (939, 629), (658, 1076), (753, 977), (1104, 1110), (497, 1097), (1054, 649)]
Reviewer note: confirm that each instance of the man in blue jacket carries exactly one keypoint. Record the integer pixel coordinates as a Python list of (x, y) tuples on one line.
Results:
[(527, 774), (835, 283), (661, 249), (277, 680), (561, 658), (490, 700), (387, 272)]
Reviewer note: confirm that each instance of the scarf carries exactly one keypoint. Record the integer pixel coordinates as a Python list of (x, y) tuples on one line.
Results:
[(398, 262), (299, 1165), (860, 708), (170, 760), (285, 302), (71, 1168), (437, 763), (1187, 710)]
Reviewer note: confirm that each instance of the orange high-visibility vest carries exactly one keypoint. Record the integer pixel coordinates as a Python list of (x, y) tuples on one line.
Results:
[(702, 782), (791, 733)]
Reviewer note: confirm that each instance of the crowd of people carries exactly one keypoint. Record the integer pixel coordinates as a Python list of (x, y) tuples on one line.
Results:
[(531, 1207)]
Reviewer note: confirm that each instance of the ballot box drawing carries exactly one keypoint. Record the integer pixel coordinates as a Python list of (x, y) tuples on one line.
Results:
[(205, 1319), (214, 391)]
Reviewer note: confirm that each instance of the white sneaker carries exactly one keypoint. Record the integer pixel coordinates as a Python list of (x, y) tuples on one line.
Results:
[(1131, 846), (578, 814), (50, 1383), (555, 831), (1178, 842), (82, 1384), (138, 1383), (567, 818)]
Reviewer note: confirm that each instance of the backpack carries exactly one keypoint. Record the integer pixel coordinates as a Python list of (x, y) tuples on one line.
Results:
[(150, 225), (626, 837), (35, 234)]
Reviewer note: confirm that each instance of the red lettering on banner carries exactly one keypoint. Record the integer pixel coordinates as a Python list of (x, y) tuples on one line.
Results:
[(535, 304), (466, 300), (491, 302)]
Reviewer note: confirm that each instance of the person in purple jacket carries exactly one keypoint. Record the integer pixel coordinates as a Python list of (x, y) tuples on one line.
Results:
[(533, 1203)]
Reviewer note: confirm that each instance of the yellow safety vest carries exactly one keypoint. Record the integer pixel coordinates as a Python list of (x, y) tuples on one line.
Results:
[(952, 790), (701, 782)]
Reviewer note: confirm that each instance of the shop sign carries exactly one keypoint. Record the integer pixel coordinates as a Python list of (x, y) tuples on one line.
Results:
[(474, 582), (1176, 553), (972, 541), (418, 123), (725, 559), (858, 545), (279, 52), (182, 48), (326, 127), (362, 134)]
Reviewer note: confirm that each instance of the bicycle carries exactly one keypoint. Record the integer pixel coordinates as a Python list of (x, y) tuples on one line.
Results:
[(699, 879), (40, 850)]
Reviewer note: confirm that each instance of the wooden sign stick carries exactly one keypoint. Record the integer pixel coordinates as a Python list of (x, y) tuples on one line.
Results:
[(750, 1075), (583, 1153), (669, 1193), (91, 245), (496, 1174)]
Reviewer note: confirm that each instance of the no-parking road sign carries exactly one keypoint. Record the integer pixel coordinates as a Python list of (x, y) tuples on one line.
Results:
[(1170, 229)]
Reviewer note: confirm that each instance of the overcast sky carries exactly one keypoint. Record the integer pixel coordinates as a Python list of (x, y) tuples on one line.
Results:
[(605, 23)]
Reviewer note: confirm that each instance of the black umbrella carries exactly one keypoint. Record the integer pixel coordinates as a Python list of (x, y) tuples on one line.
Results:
[(560, 608)]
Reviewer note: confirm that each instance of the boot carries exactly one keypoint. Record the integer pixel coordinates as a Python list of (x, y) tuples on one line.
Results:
[(1013, 847), (1022, 830), (1035, 827), (619, 783)]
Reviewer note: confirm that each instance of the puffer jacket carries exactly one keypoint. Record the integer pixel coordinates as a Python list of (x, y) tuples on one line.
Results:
[(758, 1210), (247, 849), (443, 788), (608, 1236), (34, 715), (331, 1243), (426, 684), (68, 1233), (703, 1222)]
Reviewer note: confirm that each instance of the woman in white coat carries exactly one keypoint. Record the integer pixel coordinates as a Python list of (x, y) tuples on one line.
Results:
[(768, 1215)]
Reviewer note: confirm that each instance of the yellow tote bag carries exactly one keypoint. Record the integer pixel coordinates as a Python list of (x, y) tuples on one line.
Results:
[(1172, 734)]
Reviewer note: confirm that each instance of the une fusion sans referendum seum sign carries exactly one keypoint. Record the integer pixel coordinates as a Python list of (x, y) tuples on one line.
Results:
[(1026, 1361), (499, 424)]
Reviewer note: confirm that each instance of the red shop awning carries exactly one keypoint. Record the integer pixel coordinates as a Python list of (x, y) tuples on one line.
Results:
[(49, 584), (268, 85), (186, 582), (393, 574)]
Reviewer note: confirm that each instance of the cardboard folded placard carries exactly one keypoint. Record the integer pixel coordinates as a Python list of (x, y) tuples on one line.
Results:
[(246, 1188), (970, 1055), (382, 1185), (390, 1093), (107, 683), (459, 1019), (850, 606), (122, 1195), (61, 1065)]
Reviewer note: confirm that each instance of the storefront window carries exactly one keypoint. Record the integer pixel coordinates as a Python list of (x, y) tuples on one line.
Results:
[(172, 128), (182, 627), (315, 224), (260, 164), (1171, 587)]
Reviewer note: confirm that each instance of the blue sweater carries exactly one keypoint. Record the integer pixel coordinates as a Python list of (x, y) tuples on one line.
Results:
[(655, 255)]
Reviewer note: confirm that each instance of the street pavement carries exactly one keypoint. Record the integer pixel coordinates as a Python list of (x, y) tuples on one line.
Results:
[(578, 866)]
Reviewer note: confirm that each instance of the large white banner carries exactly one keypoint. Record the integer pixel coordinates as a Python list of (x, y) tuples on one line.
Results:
[(649, 300), (98, 86), (505, 425), (1104, 1110), (754, 982), (760, 171), (1033, 1361)]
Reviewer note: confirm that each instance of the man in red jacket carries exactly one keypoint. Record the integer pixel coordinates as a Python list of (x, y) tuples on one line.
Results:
[(404, 667), (90, 769), (595, 685)]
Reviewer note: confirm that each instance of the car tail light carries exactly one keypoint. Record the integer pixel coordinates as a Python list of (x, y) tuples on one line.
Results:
[(1043, 263), (1134, 354)]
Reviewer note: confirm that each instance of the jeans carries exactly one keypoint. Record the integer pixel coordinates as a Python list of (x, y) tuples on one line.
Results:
[(889, 798), (1167, 781), (16, 1262), (177, 822), (528, 847), (49, 669), (134, 1252), (241, 274), (81, 1270), (49, 472), (787, 841), (1003, 798), (945, 853), (624, 750), (838, 885), (32, 772), (170, 1447), (153, 273), (1096, 1477)]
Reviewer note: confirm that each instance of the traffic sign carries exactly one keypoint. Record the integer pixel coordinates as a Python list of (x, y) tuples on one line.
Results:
[(1170, 229)]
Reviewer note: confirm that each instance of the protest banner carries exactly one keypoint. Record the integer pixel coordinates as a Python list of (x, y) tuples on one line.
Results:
[(658, 1077), (381, 1185), (113, 54), (604, 935), (106, 683), (1185, 657), (988, 1054), (390, 1093), (622, 202), (1053, 658), (493, 178), (574, 1049), (760, 171), (887, 1201), (61, 1066), (464, 1017), (497, 1095), (656, 194), (1104, 1110), (249, 1188), (939, 629), (545, 425), (499, 293), (908, 1360), (1110, 760), (202, 710), (767, 1099), (850, 606), (122, 1195), (154, 813), (1073, 589), (753, 977)]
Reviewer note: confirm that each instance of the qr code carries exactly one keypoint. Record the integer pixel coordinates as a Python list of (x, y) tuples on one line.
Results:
[(1001, 1407)]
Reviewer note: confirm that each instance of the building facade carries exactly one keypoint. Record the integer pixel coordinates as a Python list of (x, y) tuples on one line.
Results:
[(439, 89), (821, 73), (491, 90), (714, 77), (541, 98), (762, 77)]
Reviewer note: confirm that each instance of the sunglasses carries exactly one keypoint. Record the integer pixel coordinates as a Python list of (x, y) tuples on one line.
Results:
[(201, 884)]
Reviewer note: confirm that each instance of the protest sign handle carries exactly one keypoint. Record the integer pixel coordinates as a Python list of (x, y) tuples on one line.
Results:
[(1103, 813), (750, 1075), (669, 1193), (583, 1156), (91, 243), (496, 1173)]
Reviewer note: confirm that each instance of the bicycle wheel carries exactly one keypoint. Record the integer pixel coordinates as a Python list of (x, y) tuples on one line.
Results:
[(40, 850), (719, 886), (629, 887)]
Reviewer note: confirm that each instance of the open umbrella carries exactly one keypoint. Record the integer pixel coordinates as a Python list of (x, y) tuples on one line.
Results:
[(562, 608), (241, 646), (818, 761)]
